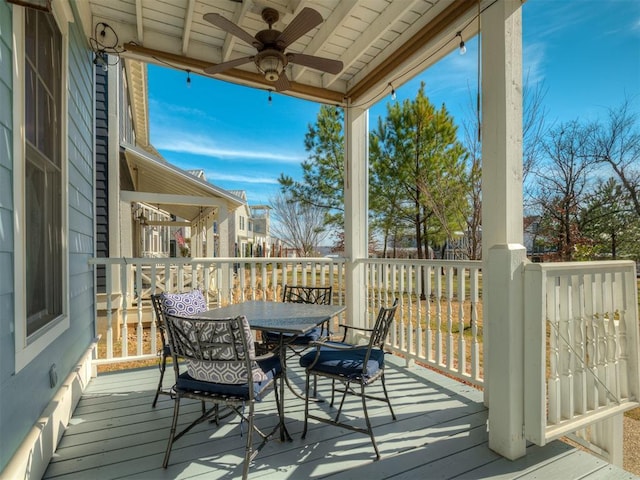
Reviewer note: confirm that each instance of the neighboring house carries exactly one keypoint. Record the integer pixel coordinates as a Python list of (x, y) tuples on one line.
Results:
[(249, 229), (141, 184)]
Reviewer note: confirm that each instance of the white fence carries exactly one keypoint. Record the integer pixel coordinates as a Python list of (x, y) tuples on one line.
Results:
[(439, 321), (581, 354)]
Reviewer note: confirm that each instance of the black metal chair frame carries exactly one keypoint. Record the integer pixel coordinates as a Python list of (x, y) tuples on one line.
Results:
[(304, 294), (188, 341), (163, 352), (378, 335)]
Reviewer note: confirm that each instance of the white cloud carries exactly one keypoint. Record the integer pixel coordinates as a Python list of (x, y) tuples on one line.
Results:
[(213, 176), (173, 140)]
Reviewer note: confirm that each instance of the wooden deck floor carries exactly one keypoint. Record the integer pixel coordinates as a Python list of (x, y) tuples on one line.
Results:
[(440, 433)]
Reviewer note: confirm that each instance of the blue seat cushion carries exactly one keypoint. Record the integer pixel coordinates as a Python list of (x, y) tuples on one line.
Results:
[(346, 363), (271, 367), (310, 336)]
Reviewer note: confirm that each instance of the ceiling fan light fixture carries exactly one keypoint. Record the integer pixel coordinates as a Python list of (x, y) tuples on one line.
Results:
[(271, 64)]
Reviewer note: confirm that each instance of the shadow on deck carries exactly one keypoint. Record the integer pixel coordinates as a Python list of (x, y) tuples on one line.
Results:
[(440, 432)]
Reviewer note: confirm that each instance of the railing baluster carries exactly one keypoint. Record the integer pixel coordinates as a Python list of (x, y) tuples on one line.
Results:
[(474, 299), (462, 347), (555, 399), (138, 298), (438, 299), (449, 297), (124, 306)]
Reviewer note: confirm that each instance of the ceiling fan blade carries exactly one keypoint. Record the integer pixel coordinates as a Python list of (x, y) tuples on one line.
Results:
[(221, 67), (282, 83), (230, 27), (307, 19), (318, 63)]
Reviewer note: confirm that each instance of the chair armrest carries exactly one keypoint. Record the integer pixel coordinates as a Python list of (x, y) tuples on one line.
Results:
[(336, 345), (347, 327), (266, 356)]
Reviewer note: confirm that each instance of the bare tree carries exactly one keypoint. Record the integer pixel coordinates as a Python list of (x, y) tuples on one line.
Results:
[(618, 144), (299, 226), (533, 131), (563, 183)]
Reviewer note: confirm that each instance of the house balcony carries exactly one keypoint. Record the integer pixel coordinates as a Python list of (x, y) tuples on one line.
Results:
[(580, 375)]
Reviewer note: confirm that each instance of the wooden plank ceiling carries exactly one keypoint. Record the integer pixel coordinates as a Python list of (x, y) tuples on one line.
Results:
[(379, 42)]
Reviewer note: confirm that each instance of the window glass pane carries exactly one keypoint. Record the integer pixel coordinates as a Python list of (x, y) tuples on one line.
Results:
[(35, 234), (30, 30), (43, 179), (30, 104), (46, 42)]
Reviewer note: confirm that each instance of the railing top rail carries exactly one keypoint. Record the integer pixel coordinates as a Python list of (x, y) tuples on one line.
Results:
[(423, 261), (210, 260), (560, 268)]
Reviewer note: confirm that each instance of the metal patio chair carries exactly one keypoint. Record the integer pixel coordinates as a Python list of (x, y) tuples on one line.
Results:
[(302, 294), (352, 365), (219, 367), (186, 303)]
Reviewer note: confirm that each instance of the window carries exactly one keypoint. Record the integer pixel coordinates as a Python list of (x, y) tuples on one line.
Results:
[(43, 177), (39, 176)]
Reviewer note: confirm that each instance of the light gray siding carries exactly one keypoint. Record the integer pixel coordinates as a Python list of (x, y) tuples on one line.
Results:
[(6, 202), (25, 394)]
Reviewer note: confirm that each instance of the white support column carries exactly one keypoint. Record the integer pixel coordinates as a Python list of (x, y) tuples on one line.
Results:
[(356, 201), (118, 215), (502, 230), (223, 219)]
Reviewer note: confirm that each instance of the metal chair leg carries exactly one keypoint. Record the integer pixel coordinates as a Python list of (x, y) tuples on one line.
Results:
[(366, 417), (306, 408), (172, 433), (163, 367), (386, 395)]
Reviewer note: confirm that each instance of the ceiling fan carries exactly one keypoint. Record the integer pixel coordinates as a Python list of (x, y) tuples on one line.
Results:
[(271, 58)]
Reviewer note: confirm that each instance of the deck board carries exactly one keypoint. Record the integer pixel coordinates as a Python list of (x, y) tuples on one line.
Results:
[(440, 432)]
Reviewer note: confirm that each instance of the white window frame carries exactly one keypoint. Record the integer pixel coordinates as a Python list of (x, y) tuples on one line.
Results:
[(26, 349)]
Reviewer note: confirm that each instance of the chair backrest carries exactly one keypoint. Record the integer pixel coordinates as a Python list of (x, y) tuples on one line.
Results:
[(219, 351), (303, 294), (382, 325), (156, 301)]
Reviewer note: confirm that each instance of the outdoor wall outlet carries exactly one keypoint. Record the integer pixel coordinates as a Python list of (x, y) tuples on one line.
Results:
[(53, 376)]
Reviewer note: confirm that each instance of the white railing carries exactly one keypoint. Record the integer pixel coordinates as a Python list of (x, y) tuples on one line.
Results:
[(439, 321), (581, 345)]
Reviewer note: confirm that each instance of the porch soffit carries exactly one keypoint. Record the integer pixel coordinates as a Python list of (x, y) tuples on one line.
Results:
[(378, 41), (175, 190)]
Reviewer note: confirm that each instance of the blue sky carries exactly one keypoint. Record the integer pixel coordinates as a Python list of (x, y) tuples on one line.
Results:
[(586, 53)]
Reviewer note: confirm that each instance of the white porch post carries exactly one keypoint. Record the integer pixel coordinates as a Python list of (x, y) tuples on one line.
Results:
[(356, 201), (502, 230), (222, 217)]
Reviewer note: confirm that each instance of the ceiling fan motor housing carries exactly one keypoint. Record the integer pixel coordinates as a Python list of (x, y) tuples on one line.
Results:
[(271, 63)]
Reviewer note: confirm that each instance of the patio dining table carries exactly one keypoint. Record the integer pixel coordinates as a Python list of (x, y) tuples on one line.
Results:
[(286, 318)]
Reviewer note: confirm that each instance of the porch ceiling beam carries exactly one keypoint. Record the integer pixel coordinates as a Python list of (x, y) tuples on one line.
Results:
[(230, 40), (188, 22), (139, 26), (378, 28), (328, 26), (393, 64), (151, 55), (168, 199)]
